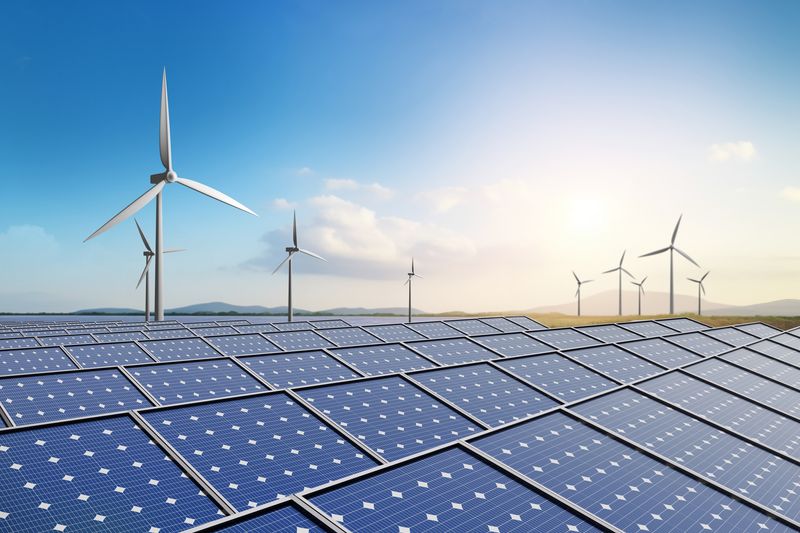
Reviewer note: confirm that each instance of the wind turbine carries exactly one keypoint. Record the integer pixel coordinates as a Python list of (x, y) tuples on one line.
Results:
[(672, 248), (159, 181), (641, 291), (290, 251), (699, 288), (148, 256), (411, 274), (578, 292), (620, 270)]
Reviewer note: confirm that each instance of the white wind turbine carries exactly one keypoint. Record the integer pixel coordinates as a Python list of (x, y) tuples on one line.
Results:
[(159, 181), (640, 284), (578, 292), (672, 248), (290, 251), (700, 288), (411, 274), (620, 270), (148, 256)]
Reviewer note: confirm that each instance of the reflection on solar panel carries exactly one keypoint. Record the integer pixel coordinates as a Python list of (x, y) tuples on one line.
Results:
[(394, 333), (298, 368), (246, 344), (329, 324), (564, 338), (700, 343), (257, 449), (485, 392), (349, 336), (112, 354), (175, 349), (257, 328), (609, 333), (683, 325), (453, 351), (788, 340), (390, 415), (292, 326), (732, 336), (615, 363), (749, 384), (742, 416), (765, 366), (382, 359), (435, 330), (101, 474), (22, 342), (777, 351), (121, 336), (610, 479), (62, 395), (27, 360), (285, 516), (700, 447), (170, 334), (558, 375), (648, 328), (450, 490), (758, 329), (219, 330), (472, 326), (512, 344), (298, 340), (661, 352), (503, 324), (528, 323)]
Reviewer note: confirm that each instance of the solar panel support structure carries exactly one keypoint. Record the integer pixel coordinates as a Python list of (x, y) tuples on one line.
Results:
[(159, 297)]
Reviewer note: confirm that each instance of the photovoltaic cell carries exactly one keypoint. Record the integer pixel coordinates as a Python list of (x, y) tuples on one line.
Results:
[(298, 368), (22, 342), (66, 340), (502, 324), (472, 327), (435, 330), (788, 340), (732, 336), (390, 415), (512, 344), (245, 344), (450, 490), (700, 343), (207, 324), (330, 324), (614, 481), (122, 329), (109, 354), (219, 330), (615, 362), (234, 322), (609, 333), (10, 335), (759, 330), (528, 323), (684, 325), (62, 395), (765, 366), (453, 351), (298, 340), (648, 328), (382, 359), (121, 336), (394, 333), (177, 349), (349, 336), (257, 328), (102, 474), (28, 360), (292, 326), (257, 449), (777, 351), (169, 334), (486, 393), (661, 352), (89, 330), (286, 517), (565, 338)]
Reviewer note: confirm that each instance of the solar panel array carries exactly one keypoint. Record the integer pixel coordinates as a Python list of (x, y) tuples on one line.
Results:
[(489, 424)]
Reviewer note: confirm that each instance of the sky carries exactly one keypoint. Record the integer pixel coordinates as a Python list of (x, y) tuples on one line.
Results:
[(501, 144)]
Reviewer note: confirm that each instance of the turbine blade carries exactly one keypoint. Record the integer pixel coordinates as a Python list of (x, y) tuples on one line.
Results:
[(693, 280), (412, 265), (643, 280), (418, 276), (213, 193), (577, 293), (675, 231), (173, 250), (628, 273), (661, 251), (294, 228), (407, 282), (287, 258), (687, 257), (136, 205), (312, 254), (621, 259), (587, 281), (144, 272), (704, 275), (144, 239), (702, 288), (165, 145), (576, 277), (610, 271)]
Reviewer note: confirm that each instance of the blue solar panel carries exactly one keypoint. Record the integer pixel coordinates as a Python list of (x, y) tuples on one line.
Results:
[(512, 344), (121, 329), (558, 375), (349, 336), (435, 330), (732, 336), (284, 517), (298, 340), (661, 352), (394, 333), (528, 323), (503, 324), (121, 336), (66, 340), (28, 360), (42, 331), (683, 325), (330, 324), (245, 344), (207, 324), (176, 349), (188, 381), (382, 359), (765, 366), (102, 474), (257, 328), (453, 351), (565, 338), (90, 330), (615, 481), (63, 395), (10, 335), (22, 342), (390, 415), (219, 330), (648, 328), (292, 326), (298, 368), (485, 392), (450, 490), (700, 343), (170, 333), (257, 449), (615, 362), (788, 340), (234, 322), (609, 333), (742, 467), (777, 351), (758, 329), (112, 354), (472, 326)]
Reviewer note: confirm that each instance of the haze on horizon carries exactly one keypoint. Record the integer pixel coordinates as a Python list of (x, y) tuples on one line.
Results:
[(502, 145)]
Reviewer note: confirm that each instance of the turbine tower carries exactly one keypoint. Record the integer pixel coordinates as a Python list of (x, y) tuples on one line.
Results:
[(620, 270), (578, 292), (148, 256), (290, 251), (411, 274), (699, 288), (159, 181), (641, 292), (672, 248)]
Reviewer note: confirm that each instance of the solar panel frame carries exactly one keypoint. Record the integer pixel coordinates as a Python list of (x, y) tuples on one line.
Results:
[(788, 340), (18, 343), (120, 336), (777, 351), (215, 331), (346, 356), (759, 329), (609, 333), (731, 335), (348, 336), (234, 322), (434, 329), (287, 340), (293, 326), (167, 334), (395, 333), (496, 343), (210, 351), (82, 361), (205, 324), (472, 326), (274, 383), (557, 338), (59, 351), (222, 346), (502, 324), (689, 341), (642, 347), (766, 366), (256, 328), (584, 356), (426, 348), (647, 328), (67, 340), (682, 324), (526, 322), (330, 324)]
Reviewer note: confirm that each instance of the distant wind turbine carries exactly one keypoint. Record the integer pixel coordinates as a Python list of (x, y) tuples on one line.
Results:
[(620, 270), (672, 248), (640, 284), (699, 288), (159, 181), (578, 292), (411, 274), (148, 256), (290, 251)]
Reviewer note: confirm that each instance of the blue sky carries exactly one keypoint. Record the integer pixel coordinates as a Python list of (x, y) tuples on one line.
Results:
[(501, 143)]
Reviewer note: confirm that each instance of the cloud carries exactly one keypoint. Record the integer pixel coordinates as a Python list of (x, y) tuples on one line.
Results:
[(443, 199), (730, 151), (334, 184), (304, 171), (374, 189), (283, 203), (28, 241), (791, 193)]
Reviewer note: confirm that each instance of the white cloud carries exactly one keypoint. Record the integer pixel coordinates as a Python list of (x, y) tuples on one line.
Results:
[(335, 184), (28, 241), (739, 150), (443, 199), (304, 171), (283, 203), (375, 189), (791, 193)]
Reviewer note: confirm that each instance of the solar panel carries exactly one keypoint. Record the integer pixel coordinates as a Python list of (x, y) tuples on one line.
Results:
[(122, 329), (661, 352), (164, 326), (382, 359), (390, 415), (349, 336), (616, 482), (219, 330), (609, 333), (732, 336), (257, 449), (728, 460), (27, 360), (758, 329), (330, 324), (684, 325), (787, 340), (66, 340), (450, 490), (121, 336), (700, 343), (292, 326), (647, 328), (172, 383), (394, 333), (472, 327), (256, 328), (243, 344), (564, 338), (109, 354), (298, 368), (176, 349), (502, 324), (558, 375), (10, 335), (765, 366), (528, 323), (488, 394), (615, 363), (283, 516), (22, 342), (453, 351), (234, 322), (207, 324), (102, 474), (435, 330), (777, 351), (39, 398), (163, 334), (742, 416), (511, 344), (298, 340)]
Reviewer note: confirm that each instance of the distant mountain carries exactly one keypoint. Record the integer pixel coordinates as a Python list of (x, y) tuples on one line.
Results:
[(108, 311), (606, 303), (776, 308), (222, 308), (355, 311)]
